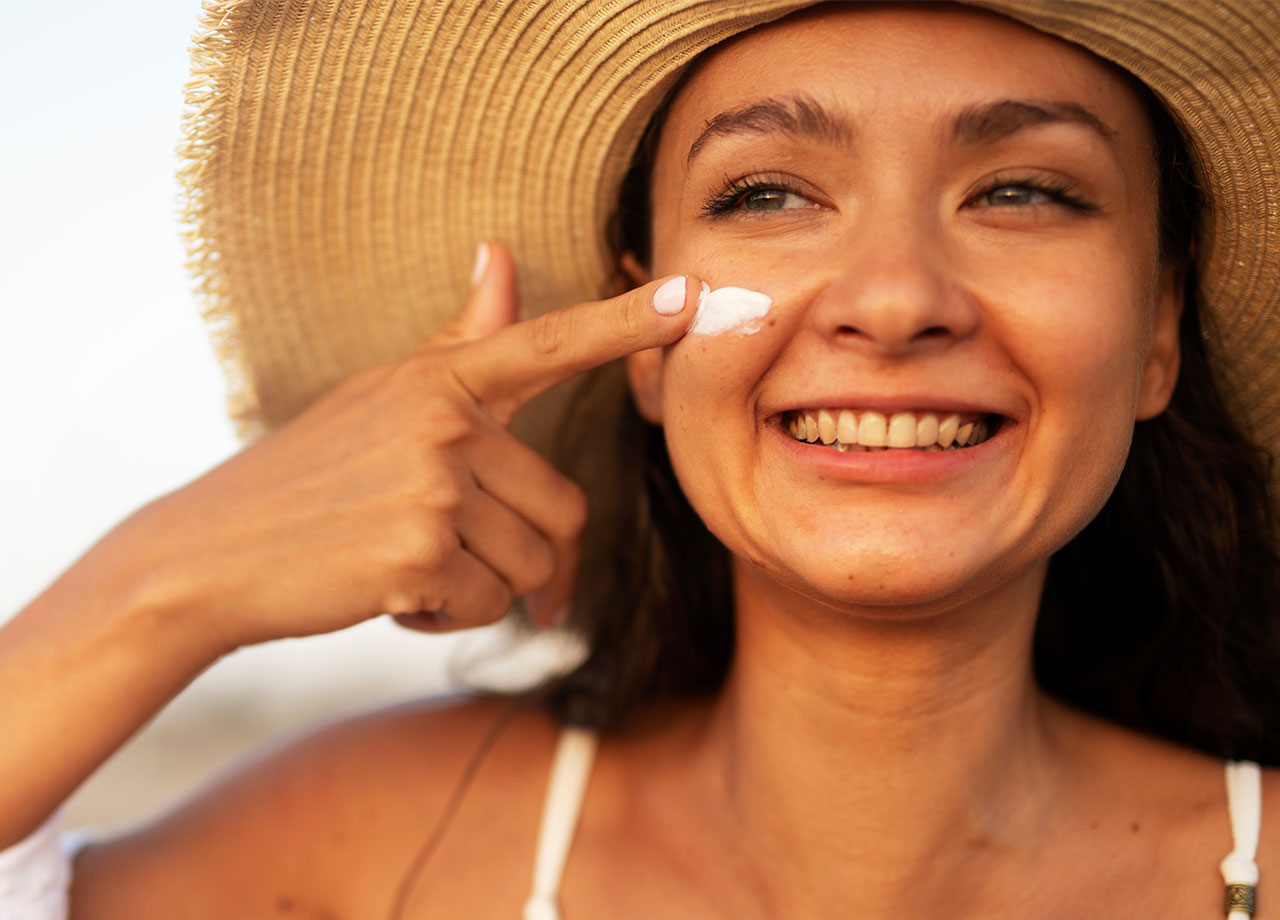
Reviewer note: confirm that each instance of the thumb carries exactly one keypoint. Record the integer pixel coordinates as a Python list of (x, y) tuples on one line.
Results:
[(494, 302)]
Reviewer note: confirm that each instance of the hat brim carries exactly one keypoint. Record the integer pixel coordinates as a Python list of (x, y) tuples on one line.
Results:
[(343, 161)]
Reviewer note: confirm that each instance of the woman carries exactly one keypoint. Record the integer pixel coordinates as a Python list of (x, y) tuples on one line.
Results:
[(923, 234)]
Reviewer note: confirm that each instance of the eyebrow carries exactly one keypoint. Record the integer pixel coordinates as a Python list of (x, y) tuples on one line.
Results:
[(805, 117), (994, 121), (799, 116)]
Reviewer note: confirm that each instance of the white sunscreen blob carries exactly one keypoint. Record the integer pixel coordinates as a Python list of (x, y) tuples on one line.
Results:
[(730, 309)]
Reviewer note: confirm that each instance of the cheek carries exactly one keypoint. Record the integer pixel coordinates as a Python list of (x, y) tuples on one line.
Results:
[(1081, 328), (1078, 337)]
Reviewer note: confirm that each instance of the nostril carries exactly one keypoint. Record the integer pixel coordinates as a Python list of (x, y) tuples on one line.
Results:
[(932, 332)]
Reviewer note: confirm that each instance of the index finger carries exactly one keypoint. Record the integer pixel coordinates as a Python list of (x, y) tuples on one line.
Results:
[(507, 369)]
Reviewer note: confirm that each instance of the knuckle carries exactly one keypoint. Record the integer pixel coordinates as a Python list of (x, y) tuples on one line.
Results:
[(441, 497), (538, 565), (630, 328), (551, 333), (431, 548), (571, 514), (442, 420)]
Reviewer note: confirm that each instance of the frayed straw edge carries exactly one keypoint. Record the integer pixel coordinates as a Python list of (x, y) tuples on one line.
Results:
[(201, 152)]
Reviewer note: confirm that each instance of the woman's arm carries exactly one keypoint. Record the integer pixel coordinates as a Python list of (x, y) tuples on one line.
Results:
[(82, 667), (398, 492)]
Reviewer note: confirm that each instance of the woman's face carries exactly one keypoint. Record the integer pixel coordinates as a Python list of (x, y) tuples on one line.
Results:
[(953, 215)]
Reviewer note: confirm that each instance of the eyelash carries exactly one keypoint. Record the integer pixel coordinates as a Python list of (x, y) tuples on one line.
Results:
[(725, 203)]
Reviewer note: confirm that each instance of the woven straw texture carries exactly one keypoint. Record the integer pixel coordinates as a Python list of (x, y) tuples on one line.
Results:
[(343, 159)]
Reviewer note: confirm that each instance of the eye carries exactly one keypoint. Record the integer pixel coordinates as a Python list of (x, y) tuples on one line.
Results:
[(771, 199), (1015, 195), (755, 197)]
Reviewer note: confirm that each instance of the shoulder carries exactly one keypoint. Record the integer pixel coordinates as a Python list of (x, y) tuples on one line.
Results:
[(1170, 800), (330, 821), (1268, 858)]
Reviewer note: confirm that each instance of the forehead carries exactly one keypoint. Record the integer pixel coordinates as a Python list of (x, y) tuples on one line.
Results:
[(901, 61)]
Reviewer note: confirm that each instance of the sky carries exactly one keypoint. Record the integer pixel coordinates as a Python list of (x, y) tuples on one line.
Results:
[(110, 390), (111, 393)]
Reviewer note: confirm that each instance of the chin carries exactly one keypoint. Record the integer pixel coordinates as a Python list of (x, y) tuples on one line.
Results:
[(884, 585)]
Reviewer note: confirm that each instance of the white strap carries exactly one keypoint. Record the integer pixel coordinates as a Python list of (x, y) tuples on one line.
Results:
[(35, 874), (570, 771), (1244, 803)]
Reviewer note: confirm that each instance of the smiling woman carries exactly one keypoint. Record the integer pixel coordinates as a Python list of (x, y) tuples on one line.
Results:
[(942, 584)]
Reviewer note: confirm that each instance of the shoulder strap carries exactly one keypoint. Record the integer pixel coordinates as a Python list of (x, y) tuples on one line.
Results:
[(1239, 871), (570, 772)]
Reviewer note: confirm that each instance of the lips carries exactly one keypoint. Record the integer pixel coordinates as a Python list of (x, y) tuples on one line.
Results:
[(847, 429)]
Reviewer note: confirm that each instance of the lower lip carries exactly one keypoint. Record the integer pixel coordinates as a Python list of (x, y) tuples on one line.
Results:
[(895, 465)]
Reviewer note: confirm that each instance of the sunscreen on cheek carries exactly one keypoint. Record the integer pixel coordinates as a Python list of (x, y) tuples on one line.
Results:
[(729, 309)]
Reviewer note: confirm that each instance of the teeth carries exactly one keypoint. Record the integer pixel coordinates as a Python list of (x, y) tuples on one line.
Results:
[(826, 426), (811, 428), (902, 430), (872, 429), (849, 431), (947, 430), (927, 431)]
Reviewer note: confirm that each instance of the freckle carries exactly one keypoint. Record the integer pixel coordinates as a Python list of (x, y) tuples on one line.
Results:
[(1134, 827), (284, 905), (773, 322), (1093, 825)]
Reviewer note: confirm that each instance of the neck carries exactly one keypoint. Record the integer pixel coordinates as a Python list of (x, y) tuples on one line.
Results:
[(882, 751)]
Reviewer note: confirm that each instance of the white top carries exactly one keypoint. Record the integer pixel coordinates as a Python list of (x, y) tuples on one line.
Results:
[(1244, 802)]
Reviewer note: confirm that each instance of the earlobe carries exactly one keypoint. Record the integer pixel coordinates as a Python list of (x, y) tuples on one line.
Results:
[(644, 368), (633, 271), (1160, 372), (644, 372)]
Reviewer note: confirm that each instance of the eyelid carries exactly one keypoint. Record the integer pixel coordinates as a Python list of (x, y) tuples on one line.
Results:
[(1057, 188), (717, 204)]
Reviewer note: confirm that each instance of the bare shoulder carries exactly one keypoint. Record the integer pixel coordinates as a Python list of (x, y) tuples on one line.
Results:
[(1171, 800), (328, 824)]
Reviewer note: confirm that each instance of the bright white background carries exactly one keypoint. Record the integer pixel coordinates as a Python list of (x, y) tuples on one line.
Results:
[(111, 394)]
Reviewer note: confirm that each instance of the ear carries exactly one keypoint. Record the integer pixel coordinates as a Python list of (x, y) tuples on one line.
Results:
[(644, 368), (631, 272), (1160, 372)]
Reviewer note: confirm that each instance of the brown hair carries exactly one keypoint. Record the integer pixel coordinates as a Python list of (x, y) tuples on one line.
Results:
[(1180, 642)]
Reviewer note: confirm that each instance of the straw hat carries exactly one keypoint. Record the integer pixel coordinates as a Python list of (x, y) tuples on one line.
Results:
[(343, 159)]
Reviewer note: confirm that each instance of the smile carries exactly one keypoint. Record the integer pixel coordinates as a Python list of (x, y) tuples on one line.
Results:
[(851, 430)]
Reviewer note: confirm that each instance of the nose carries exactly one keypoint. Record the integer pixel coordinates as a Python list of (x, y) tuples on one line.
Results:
[(893, 289)]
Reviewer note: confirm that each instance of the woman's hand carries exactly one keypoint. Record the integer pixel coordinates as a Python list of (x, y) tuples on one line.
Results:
[(400, 491)]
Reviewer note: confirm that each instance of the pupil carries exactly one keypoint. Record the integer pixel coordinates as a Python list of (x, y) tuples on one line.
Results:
[(765, 200), (1011, 195)]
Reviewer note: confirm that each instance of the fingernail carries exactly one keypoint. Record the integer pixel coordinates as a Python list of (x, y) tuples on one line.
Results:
[(669, 299), (482, 262)]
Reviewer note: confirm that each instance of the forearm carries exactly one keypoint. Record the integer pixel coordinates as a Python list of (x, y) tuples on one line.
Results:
[(82, 668)]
